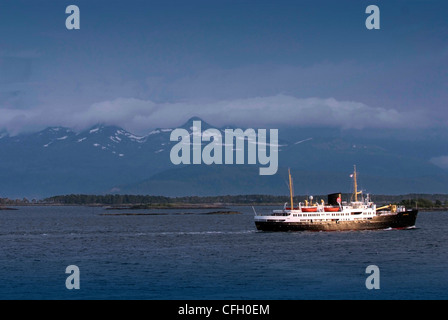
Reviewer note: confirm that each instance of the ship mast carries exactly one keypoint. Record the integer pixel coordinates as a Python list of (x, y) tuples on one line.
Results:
[(355, 184), (290, 189)]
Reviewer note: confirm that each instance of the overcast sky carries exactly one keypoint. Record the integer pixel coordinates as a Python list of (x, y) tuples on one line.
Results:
[(148, 64)]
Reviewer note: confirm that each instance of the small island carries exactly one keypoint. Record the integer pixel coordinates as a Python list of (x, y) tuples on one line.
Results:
[(166, 214), (167, 206)]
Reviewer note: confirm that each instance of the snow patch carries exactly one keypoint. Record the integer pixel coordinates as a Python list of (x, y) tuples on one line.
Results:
[(115, 139), (131, 136)]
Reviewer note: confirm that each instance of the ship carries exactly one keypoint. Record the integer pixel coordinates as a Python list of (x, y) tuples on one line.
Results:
[(356, 213)]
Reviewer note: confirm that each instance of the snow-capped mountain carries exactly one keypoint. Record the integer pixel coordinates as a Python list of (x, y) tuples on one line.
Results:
[(58, 160), (108, 159)]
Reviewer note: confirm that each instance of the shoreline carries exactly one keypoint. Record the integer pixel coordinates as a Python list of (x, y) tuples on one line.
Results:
[(171, 213), (174, 206)]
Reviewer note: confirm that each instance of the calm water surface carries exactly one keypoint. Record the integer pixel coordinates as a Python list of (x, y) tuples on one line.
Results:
[(198, 256)]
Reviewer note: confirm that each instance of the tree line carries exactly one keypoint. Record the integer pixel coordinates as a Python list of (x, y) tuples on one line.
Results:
[(409, 200)]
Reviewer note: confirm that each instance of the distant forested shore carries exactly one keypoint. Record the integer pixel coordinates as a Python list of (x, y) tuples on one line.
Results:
[(429, 201)]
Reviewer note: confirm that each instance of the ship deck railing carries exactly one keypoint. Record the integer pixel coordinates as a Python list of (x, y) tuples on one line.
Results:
[(280, 214)]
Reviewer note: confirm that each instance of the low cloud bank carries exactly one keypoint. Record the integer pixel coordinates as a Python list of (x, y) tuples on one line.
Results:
[(139, 116)]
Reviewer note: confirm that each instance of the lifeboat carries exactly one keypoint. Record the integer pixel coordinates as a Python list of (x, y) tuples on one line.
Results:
[(331, 209), (309, 209)]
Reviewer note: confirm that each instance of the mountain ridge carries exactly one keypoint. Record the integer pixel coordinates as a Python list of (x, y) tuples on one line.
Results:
[(103, 159)]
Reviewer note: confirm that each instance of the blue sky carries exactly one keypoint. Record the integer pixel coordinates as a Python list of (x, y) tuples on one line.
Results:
[(147, 64)]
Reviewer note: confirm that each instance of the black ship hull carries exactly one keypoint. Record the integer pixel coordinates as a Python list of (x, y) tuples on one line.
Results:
[(401, 220)]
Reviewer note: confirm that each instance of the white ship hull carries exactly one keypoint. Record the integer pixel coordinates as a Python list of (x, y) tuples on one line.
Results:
[(358, 217)]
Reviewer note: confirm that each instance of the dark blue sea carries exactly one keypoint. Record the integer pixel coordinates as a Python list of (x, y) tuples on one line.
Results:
[(186, 254)]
